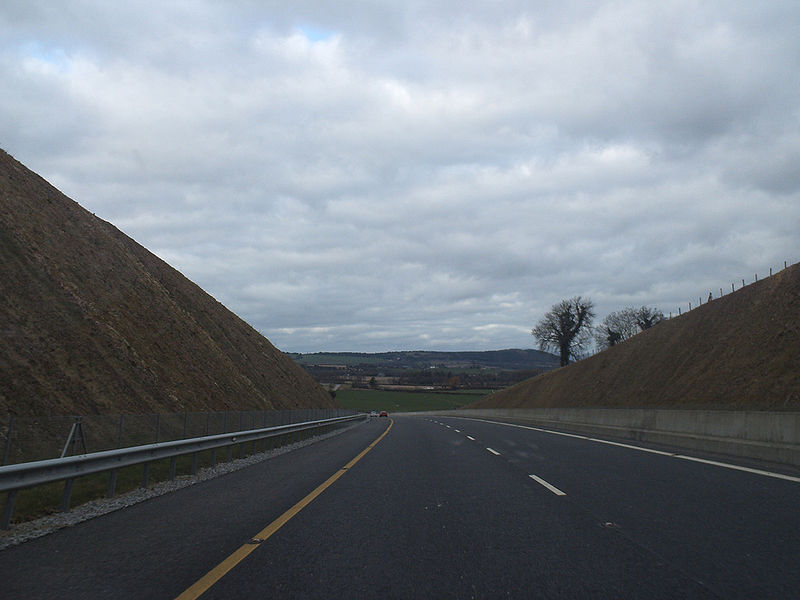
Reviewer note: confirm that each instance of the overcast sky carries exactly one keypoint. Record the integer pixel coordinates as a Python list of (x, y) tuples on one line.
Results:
[(386, 175)]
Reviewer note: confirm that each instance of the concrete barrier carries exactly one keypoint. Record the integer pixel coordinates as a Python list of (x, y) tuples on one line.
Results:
[(764, 435)]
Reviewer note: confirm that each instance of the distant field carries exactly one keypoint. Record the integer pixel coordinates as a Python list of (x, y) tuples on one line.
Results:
[(367, 400)]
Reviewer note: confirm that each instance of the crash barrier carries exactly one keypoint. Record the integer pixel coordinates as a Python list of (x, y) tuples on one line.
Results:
[(25, 439), (25, 475), (766, 435)]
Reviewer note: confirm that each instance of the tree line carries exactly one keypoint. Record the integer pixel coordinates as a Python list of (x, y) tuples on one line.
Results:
[(568, 327)]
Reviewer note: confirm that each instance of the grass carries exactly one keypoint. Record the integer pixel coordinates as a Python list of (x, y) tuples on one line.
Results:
[(367, 400)]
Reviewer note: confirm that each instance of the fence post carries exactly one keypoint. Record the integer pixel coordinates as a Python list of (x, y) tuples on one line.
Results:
[(8, 440), (121, 426), (158, 426), (185, 416)]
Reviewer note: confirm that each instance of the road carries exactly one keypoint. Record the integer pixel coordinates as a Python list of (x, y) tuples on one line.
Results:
[(438, 508)]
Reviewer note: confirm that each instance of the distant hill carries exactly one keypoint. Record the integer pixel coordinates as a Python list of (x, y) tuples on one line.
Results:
[(93, 323), (741, 351), (510, 360)]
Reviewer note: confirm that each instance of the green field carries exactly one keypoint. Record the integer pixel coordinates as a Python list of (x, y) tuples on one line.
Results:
[(366, 400)]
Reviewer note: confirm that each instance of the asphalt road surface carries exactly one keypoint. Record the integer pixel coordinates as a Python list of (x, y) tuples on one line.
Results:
[(438, 508)]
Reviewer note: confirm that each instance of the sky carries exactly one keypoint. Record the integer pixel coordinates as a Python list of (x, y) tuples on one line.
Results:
[(384, 175)]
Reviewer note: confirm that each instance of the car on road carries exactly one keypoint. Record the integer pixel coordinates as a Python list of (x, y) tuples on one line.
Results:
[(384, 413), (373, 414)]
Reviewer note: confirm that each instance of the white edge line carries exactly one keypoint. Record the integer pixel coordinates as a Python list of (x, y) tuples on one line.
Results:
[(739, 468), (640, 448), (495, 452), (552, 488), (661, 452)]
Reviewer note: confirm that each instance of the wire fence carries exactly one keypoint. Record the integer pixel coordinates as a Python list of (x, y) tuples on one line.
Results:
[(723, 291), (25, 439)]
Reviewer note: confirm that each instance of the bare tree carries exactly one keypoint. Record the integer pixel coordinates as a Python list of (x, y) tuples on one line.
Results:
[(566, 328), (624, 324), (647, 317), (617, 327)]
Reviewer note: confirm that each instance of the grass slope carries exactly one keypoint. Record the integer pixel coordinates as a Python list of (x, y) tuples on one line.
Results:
[(93, 323), (739, 352)]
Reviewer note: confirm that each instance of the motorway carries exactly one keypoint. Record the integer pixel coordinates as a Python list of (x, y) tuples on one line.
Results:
[(439, 507)]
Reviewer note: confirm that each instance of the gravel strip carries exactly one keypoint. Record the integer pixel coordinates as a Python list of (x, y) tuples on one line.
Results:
[(22, 532)]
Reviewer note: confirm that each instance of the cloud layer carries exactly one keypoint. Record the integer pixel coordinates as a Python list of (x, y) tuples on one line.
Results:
[(401, 176)]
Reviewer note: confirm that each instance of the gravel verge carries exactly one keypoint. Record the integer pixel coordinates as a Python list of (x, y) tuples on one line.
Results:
[(22, 532)]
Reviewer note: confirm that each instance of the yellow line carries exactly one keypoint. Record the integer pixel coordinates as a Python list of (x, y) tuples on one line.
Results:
[(218, 572)]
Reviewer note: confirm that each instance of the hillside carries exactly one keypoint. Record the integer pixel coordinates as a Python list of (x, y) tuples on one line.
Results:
[(741, 351), (93, 323)]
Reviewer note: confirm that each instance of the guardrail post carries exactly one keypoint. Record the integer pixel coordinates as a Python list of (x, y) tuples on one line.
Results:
[(145, 474), (173, 465), (214, 457), (67, 496), (194, 463), (112, 484), (8, 509)]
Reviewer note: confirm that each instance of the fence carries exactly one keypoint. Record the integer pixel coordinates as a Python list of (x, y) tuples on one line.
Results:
[(25, 439), (722, 292), (13, 478)]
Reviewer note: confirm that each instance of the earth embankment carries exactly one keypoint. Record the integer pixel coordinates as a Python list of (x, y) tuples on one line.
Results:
[(740, 351), (93, 323)]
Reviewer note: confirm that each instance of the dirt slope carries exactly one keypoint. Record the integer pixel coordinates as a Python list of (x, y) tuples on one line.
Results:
[(738, 351), (93, 323)]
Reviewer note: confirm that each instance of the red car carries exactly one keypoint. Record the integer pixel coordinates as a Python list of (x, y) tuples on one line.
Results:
[(384, 413)]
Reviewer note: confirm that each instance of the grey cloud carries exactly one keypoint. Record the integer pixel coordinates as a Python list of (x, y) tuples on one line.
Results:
[(417, 176)]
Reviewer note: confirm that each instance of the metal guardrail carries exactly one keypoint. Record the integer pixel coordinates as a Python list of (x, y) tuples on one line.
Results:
[(13, 478), (29, 438)]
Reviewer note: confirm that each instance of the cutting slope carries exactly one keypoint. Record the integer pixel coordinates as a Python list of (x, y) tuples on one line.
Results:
[(739, 351), (91, 322)]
